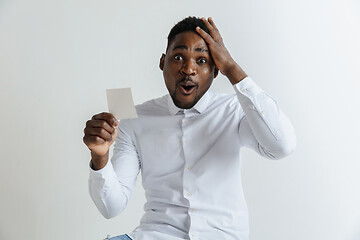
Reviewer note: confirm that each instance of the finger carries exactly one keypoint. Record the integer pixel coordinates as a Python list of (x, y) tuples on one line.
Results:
[(93, 140), (100, 132), (205, 35), (108, 117), (100, 124), (211, 21), (214, 32), (209, 26)]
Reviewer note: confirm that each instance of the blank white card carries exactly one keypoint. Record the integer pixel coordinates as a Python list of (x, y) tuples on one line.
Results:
[(121, 103)]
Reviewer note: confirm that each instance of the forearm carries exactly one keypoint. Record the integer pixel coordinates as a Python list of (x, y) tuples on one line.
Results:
[(106, 191), (271, 128), (98, 162), (234, 73), (111, 186)]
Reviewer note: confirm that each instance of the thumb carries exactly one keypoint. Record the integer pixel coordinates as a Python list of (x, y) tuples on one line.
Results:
[(114, 134)]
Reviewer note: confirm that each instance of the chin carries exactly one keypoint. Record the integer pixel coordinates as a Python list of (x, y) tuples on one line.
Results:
[(187, 105), (184, 105)]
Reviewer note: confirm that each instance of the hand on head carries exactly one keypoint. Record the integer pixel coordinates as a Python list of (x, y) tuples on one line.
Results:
[(221, 56), (219, 52)]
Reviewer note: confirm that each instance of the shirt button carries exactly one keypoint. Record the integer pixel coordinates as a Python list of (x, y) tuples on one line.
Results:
[(262, 112), (189, 168), (244, 90), (192, 210), (186, 141), (185, 121), (188, 194)]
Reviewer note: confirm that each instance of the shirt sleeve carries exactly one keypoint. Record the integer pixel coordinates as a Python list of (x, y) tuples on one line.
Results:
[(265, 128), (110, 187)]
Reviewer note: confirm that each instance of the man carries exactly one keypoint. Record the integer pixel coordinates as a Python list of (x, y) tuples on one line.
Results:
[(187, 144)]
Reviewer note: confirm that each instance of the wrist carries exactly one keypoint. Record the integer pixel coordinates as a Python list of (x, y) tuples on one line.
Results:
[(99, 161), (234, 73)]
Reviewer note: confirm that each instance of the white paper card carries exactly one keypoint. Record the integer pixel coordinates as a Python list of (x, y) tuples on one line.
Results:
[(120, 103)]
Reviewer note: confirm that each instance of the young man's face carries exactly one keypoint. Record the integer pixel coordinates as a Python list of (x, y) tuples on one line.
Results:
[(188, 69)]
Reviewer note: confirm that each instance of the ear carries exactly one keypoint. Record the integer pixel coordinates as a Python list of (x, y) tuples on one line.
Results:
[(162, 62), (216, 72)]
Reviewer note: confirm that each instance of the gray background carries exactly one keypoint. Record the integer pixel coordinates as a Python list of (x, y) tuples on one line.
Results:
[(58, 57)]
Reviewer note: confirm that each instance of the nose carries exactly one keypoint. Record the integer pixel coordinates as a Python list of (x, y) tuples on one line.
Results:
[(189, 68)]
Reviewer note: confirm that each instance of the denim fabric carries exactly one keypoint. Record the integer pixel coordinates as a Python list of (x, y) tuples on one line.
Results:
[(120, 237)]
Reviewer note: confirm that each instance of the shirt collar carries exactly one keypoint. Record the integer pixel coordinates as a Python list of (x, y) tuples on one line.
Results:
[(199, 107)]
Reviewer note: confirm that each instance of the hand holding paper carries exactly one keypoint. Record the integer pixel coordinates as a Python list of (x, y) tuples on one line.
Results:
[(101, 130)]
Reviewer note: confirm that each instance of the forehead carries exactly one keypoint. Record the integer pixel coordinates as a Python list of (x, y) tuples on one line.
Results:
[(189, 39)]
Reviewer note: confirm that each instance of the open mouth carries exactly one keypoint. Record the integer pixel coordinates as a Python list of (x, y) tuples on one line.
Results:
[(187, 89)]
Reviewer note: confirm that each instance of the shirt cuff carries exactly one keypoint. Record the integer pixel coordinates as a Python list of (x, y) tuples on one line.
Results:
[(248, 88), (106, 173)]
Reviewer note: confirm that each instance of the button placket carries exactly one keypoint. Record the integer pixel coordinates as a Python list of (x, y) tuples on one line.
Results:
[(193, 235)]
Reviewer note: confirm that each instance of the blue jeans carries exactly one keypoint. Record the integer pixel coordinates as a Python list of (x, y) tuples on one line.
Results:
[(121, 237)]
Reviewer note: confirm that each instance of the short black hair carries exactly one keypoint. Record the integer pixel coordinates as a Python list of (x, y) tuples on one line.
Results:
[(185, 25)]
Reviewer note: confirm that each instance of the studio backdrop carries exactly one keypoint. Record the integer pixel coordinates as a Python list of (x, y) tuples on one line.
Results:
[(58, 57)]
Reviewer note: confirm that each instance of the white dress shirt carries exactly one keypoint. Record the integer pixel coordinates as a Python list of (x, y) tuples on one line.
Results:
[(190, 163)]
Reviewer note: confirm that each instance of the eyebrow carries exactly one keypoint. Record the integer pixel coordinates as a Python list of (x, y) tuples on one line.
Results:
[(199, 49)]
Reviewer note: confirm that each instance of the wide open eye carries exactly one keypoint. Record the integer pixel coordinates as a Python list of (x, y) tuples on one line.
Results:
[(177, 57), (202, 60)]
